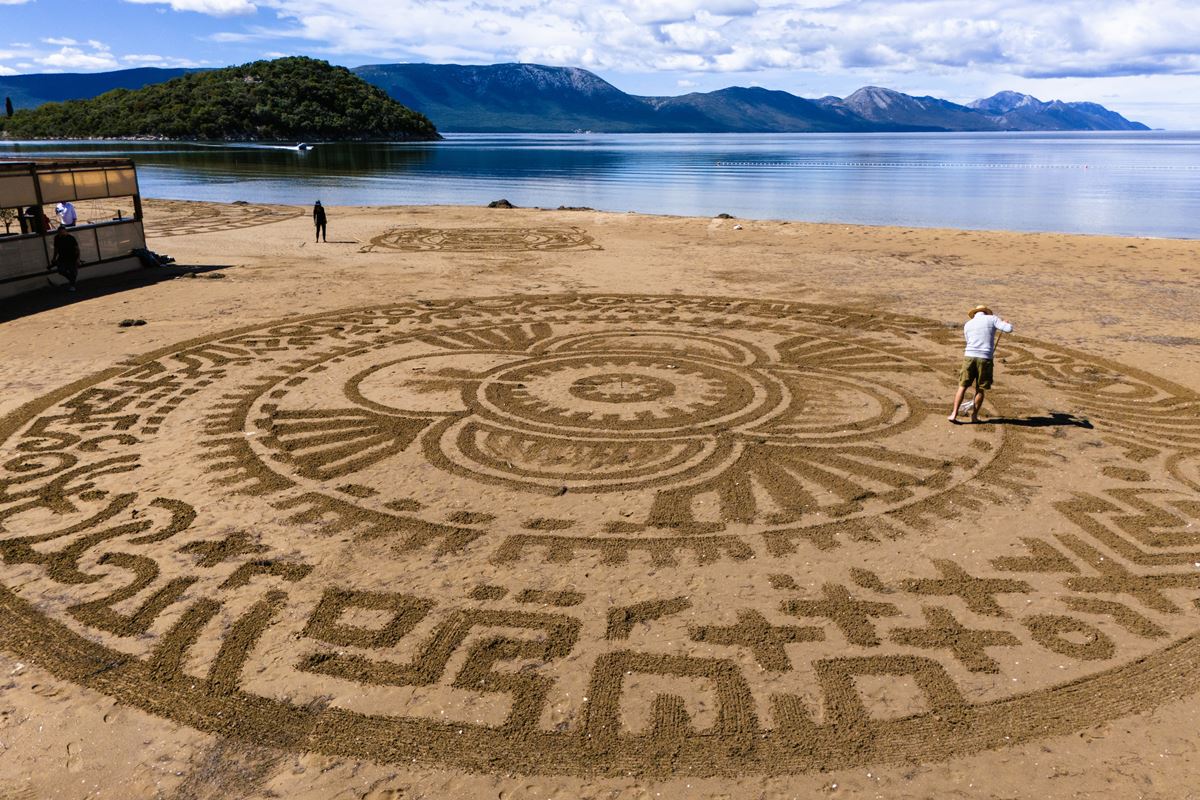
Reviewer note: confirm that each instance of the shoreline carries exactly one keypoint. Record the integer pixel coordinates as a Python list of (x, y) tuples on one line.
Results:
[(732, 219), (1030, 183)]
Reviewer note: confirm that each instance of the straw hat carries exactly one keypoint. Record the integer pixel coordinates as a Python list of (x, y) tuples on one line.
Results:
[(971, 314)]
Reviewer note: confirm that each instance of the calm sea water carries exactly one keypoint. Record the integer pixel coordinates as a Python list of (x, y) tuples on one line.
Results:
[(1144, 184)]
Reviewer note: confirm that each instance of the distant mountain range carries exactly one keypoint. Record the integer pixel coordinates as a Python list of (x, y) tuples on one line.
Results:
[(31, 91), (530, 98), (534, 98)]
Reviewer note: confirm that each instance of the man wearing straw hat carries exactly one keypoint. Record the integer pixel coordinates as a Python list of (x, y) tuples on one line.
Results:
[(982, 331)]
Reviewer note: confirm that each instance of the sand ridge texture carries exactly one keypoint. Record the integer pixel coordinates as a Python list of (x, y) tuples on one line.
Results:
[(546, 538)]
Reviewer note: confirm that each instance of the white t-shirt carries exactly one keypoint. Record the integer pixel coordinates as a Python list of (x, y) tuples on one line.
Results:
[(980, 332), (66, 213)]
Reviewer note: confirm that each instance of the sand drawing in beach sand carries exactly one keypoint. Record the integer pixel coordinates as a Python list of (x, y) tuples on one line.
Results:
[(179, 218), (486, 533), (481, 240)]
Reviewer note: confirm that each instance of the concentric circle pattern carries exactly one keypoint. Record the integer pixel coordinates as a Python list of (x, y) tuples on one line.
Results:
[(481, 240), (620, 393), (607, 535), (182, 218), (622, 387)]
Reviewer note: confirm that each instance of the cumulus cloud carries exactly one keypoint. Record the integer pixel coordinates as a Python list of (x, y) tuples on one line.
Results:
[(154, 60), (667, 11), (71, 55), (220, 8), (78, 59), (1022, 37), (903, 43)]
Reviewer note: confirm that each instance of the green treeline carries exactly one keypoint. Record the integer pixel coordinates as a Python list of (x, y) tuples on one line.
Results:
[(287, 99)]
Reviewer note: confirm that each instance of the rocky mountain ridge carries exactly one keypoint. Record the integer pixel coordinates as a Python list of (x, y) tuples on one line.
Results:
[(532, 98)]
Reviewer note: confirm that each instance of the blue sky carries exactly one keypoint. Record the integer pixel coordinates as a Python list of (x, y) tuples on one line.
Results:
[(1141, 58)]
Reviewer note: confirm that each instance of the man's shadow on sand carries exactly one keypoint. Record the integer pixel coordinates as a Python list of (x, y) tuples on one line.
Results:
[(1054, 420)]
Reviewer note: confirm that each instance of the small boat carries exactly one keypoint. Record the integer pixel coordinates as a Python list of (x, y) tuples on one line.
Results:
[(303, 146)]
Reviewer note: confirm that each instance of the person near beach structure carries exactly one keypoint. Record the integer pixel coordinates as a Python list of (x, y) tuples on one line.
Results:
[(66, 214), (35, 221), (982, 331), (319, 221), (66, 257)]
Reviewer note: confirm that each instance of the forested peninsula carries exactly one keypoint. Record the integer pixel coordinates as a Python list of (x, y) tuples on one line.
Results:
[(286, 99)]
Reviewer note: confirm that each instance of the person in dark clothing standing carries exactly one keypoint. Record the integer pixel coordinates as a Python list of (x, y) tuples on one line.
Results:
[(66, 257), (38, 222), (319, 221)]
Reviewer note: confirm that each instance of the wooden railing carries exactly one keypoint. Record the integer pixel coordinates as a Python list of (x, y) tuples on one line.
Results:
[(29, 255)]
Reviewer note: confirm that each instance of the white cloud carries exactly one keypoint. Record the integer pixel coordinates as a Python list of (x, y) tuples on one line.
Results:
[(62, 55), (152, 60), (70, 55), (666, 11), (690, 37), (237, 37), (868, 37), (219, 8), (77, 59)]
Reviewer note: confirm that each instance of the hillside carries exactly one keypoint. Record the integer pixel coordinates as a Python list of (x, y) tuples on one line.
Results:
[(1023, 112), (889, 107), (754, 109), (512, 97), (31, 91), (287, 99), (530, 98)]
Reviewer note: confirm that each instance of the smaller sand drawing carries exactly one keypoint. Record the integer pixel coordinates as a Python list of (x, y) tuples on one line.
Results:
[(164, 218), (479, 240)]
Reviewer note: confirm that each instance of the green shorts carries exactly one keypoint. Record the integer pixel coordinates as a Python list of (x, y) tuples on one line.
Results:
[(976, 371)]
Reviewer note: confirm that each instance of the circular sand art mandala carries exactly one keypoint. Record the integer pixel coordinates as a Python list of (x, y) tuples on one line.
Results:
[(607, 535), (481, 240), (181, 218)]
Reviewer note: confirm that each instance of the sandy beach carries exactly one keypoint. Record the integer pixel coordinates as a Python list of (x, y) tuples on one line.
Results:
[(522, 503)]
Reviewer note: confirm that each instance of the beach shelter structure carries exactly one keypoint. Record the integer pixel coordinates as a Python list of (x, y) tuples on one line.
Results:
[(108, 229)]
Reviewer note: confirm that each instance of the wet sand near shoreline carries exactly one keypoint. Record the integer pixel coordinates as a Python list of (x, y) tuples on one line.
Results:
[(756, 453)]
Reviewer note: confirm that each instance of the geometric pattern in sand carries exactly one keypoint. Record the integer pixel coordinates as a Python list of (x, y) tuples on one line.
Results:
[(176, 218), (481, 240), (607, 534)]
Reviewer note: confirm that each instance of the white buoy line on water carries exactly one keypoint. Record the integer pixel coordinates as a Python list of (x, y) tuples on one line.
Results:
[(950, 164)]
